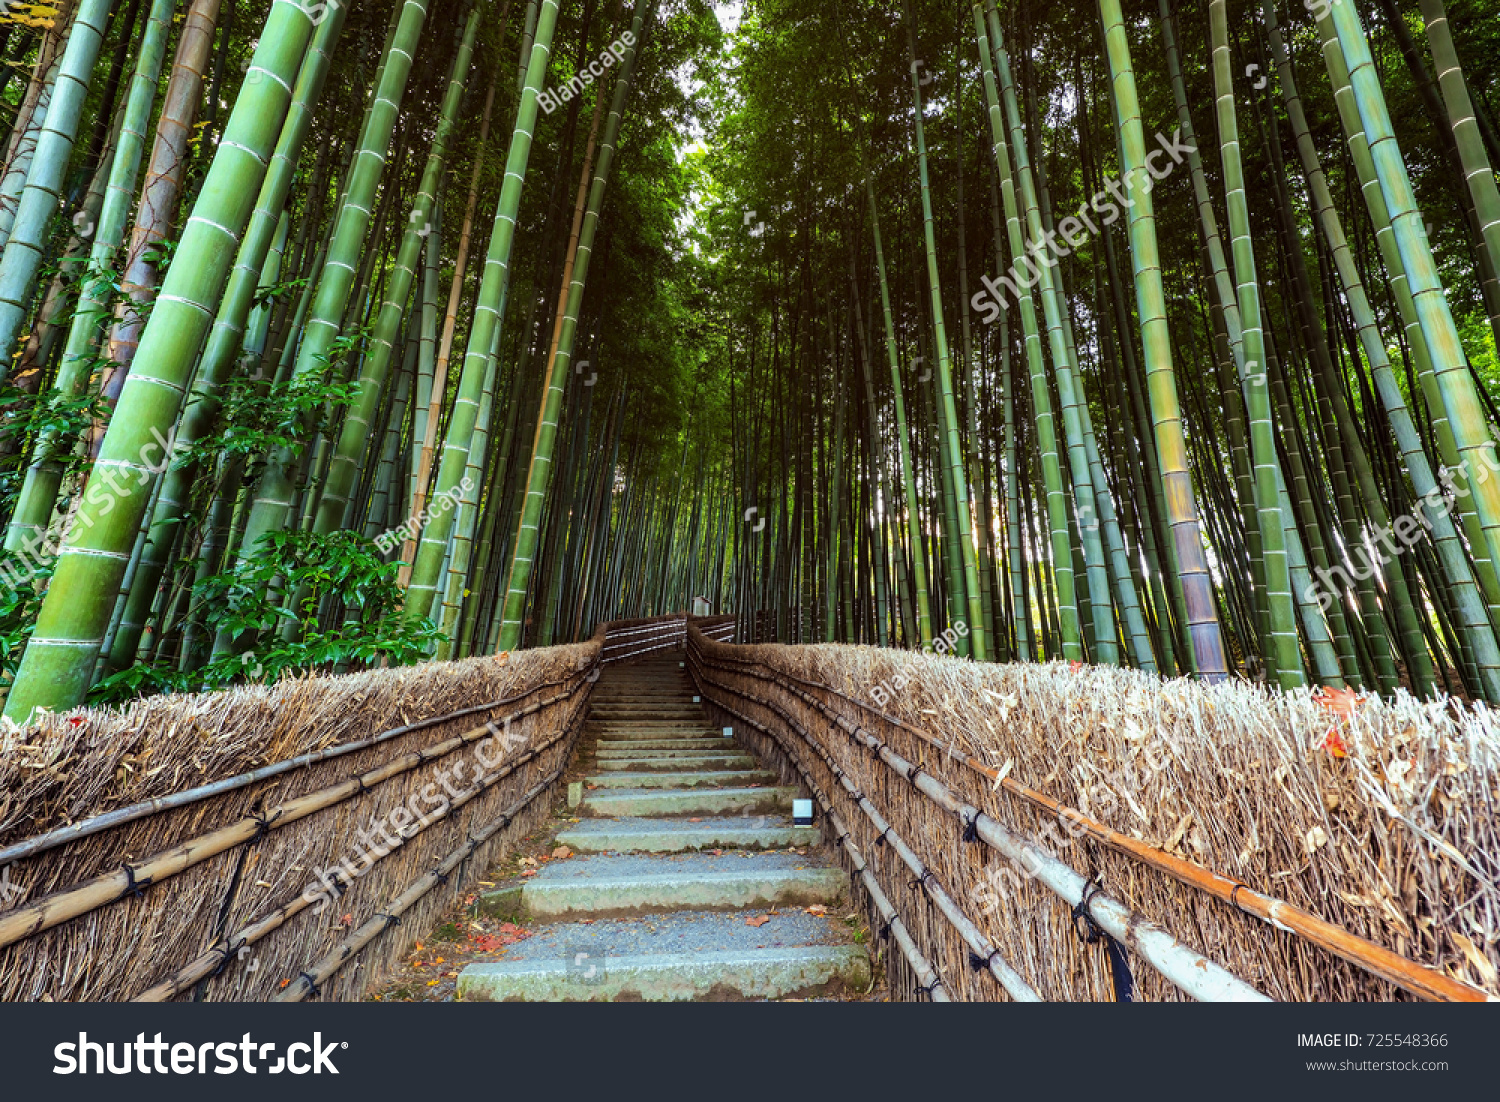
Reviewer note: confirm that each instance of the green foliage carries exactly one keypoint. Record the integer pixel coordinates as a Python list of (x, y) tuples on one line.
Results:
[(256, 417), (247, 602)]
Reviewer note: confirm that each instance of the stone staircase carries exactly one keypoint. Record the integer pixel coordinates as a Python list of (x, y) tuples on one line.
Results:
[(680, 839)]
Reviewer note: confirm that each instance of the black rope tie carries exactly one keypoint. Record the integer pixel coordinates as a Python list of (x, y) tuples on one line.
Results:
[(133, 886), (885, 931), (971, 828), (1089, 931), (359, 779), (390, 919), (1234, 891), (312, 985), (912, 776), (225, 951), (937, 981), (980, 963), (440, 877), (880, 838), (262, 826)]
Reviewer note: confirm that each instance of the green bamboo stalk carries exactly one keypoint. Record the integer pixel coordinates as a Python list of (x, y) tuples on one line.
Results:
[(43, 477), (1205, 642), (987, 31), (270, 509), (1460, 401), (60, 657), (353, 438), (1461, 582), (540, 473), (1285, 657), (951, 445), (488, 312), (44, 182), (228, 336)]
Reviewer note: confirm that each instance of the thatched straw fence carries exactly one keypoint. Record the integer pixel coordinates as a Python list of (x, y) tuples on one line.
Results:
[(1234, 840), (190, 846)]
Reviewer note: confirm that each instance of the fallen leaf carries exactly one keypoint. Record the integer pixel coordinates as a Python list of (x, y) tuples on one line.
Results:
[(695, 820), (561, 852), (1316, 839), (817, 909), (1335, 746), (758, 920), (1338, 701)]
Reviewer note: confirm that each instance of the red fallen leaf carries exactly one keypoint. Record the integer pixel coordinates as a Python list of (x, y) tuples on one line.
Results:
[(285, 982), (528, 872), (817, 909), (1335, 745), (718, 853), (76, 721), (695, 820), (758, 920), (1338, 701), (1075, 665), (347, 920)]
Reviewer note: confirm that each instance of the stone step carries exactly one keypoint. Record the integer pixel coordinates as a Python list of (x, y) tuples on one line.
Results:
[(614, 732), (704, 801), (681, 836), (695, 745), (697, 778), (647, 761), (658, 703), (670, 977), (700, 882)]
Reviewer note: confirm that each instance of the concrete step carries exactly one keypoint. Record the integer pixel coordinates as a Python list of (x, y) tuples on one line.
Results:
[(693, 745), (705, 801), (696, 778), (659, 704), (665, 747), (669, 977), (610, 730), (681, 836), (647, 761), (620, 885)]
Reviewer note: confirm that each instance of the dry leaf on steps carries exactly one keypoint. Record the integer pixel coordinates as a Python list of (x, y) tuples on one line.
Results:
[(758, 920)]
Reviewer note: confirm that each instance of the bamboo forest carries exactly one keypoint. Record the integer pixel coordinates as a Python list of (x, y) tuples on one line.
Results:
[(1147, 334), (758, 500)]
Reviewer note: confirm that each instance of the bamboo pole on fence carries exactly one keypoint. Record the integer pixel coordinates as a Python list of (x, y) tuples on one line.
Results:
[(216, 957), (1418, 979), (120, 816), (53, 910)]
